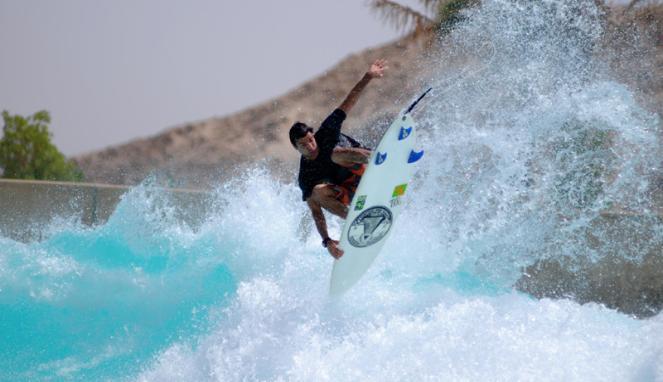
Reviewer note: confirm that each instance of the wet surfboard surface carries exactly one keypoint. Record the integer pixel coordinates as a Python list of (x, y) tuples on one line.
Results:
[(377, 203)]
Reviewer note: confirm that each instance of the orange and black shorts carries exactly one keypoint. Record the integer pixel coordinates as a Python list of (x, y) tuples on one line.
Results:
[(346, 190)]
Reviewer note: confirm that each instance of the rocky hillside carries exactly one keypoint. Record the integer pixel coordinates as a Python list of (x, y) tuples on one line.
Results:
[(202, 153), (199, 153)]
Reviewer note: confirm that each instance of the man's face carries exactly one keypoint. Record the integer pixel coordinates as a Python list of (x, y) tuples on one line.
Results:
[(307, 146)]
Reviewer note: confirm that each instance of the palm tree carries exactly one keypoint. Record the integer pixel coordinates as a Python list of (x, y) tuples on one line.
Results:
[(437, 15)]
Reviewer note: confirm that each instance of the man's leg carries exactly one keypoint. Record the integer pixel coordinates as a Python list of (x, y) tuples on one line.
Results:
[(326, 195)]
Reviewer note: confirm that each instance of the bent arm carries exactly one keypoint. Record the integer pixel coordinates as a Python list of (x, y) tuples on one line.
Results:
[(376, 70), (318, 218), (321, 225), (347, 156), (354, 94)]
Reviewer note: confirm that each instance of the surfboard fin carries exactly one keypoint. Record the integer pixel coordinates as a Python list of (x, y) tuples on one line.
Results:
[(415, 156), (380, 158), (404, 133)]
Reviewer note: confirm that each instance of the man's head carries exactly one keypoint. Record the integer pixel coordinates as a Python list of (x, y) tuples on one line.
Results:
[(302, 139)]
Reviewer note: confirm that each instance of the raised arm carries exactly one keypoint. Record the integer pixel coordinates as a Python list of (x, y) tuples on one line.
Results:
[(321, 225), (375, 71)]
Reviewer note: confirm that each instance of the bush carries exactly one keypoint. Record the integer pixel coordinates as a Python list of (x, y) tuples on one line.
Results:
[(26, 151)]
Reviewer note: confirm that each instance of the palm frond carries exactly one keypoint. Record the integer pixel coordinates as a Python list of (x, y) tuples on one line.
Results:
[(631, 4), (431, 5), (401, 16)]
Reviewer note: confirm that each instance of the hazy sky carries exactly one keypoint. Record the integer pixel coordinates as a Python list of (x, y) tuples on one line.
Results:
[(113, 70)]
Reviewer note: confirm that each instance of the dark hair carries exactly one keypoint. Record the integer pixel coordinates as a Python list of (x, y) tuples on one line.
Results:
[(298, 130)]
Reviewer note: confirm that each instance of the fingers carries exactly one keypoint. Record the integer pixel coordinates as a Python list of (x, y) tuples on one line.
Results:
[(381, 63), (378, 67), (336, 253), (339, 252), (334, 250)]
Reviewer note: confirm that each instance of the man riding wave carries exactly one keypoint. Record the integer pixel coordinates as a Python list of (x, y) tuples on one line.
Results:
[(332, 163)]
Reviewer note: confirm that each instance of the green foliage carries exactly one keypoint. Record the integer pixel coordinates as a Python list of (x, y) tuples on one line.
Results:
[(439, 15), (403, 17), (449, 13), (26, 151)]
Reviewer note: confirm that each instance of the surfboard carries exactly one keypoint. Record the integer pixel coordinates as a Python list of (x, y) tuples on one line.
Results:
[(377, 202)]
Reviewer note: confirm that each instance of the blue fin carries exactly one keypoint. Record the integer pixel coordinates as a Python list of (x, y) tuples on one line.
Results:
[(415, 156), (404, 133), (380, 158)]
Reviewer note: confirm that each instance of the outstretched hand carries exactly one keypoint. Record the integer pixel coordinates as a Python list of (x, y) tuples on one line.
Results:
[(334, 250), (377, 69)]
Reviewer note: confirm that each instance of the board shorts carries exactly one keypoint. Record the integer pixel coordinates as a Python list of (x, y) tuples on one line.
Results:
[(346, 190)]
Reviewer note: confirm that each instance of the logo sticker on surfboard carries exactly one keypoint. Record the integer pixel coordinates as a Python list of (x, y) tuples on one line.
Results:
[(360, 203), (370, 227), (399, 190)]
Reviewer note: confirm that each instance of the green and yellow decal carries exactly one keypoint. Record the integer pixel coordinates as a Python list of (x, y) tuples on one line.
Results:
[(399, 190)]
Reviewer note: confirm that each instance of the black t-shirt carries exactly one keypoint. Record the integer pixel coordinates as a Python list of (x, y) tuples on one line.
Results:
[(322, 169)]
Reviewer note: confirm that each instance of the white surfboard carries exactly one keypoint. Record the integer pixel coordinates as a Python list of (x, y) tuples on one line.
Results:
[(377, 202)]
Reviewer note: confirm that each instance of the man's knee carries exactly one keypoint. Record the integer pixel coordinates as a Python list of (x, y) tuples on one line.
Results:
[(323, 191), (326, 195)]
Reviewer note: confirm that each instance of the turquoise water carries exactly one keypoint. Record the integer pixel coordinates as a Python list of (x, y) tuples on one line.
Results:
[(87, 303), (244, 297), (524, 149)]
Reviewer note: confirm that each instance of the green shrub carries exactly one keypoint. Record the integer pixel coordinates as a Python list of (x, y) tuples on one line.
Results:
[(26, 151)]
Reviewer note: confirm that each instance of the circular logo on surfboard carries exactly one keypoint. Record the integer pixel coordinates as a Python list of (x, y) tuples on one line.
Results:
[(370, 227)]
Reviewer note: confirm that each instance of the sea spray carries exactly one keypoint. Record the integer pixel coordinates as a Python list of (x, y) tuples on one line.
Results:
[(525, 151), (523, 154), (528, 150)]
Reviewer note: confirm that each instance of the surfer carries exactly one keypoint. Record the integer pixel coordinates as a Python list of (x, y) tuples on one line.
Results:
[(332, 163)]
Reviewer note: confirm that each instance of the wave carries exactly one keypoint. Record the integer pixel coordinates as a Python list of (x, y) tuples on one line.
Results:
[(526, 152)]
